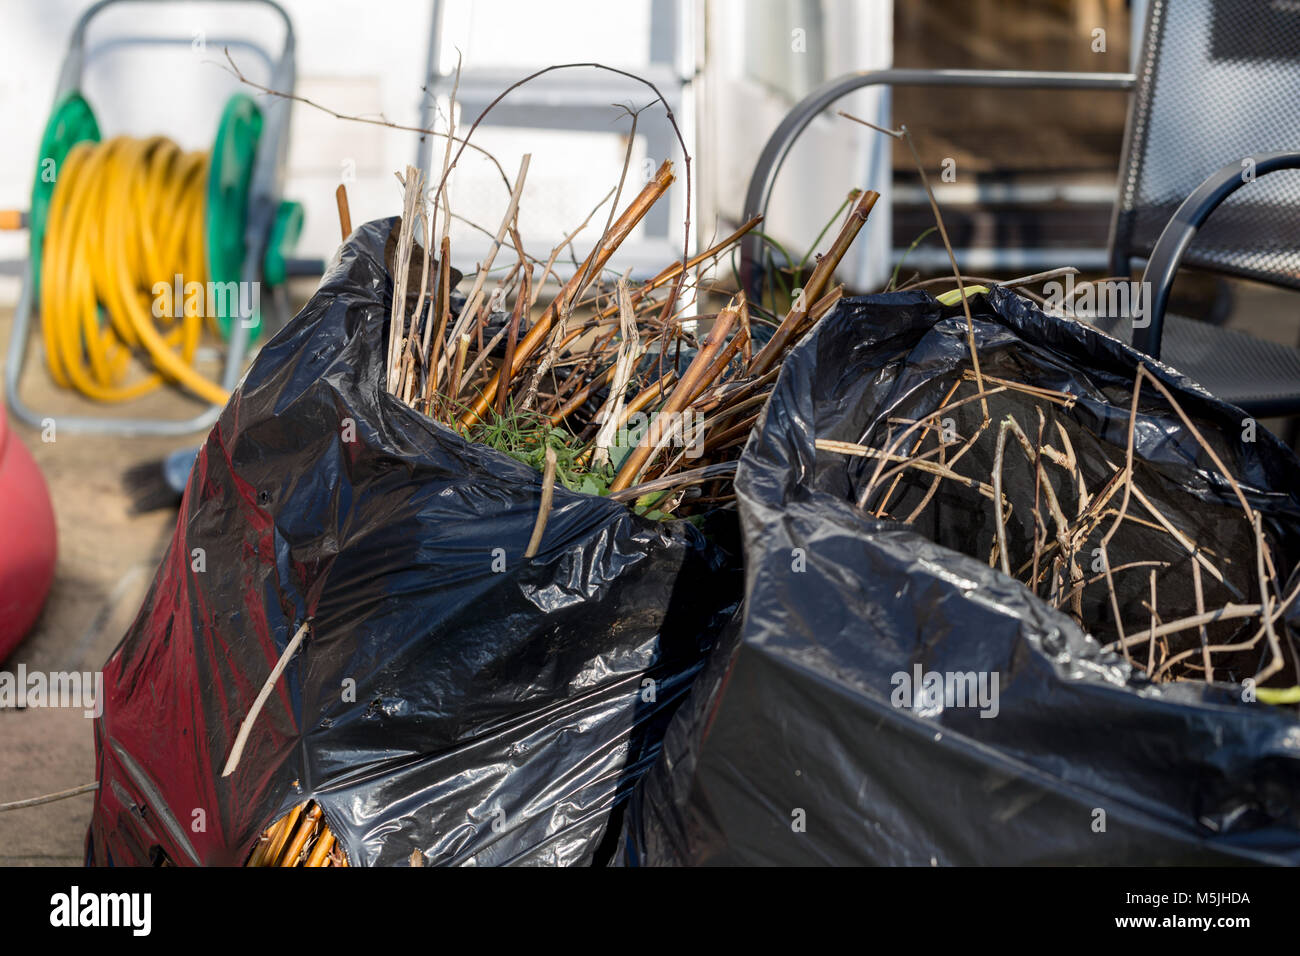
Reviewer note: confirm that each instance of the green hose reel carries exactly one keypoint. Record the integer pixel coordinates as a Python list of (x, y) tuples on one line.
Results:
[(72, 122), (230, 175)]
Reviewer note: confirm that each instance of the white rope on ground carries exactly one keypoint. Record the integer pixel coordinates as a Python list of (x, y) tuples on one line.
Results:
[(49, 797)]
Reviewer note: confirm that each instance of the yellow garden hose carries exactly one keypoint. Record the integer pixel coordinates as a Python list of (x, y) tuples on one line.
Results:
[(125, 215)]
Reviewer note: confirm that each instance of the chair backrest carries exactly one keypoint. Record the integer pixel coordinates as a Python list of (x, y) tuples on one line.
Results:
[(1217, 81)]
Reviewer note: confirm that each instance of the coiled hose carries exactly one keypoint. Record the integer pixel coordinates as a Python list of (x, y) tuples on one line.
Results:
[(125, 214)]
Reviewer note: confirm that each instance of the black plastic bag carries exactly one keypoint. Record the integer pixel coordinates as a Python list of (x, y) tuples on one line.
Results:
[(453, 697), (791, 750)]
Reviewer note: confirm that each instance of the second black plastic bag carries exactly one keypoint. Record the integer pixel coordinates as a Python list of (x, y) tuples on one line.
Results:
[(454, 699), (796, 746)]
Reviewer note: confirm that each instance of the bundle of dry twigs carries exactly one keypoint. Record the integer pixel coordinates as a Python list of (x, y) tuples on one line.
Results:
[(1185, 589), (612, 387), (299, 838)]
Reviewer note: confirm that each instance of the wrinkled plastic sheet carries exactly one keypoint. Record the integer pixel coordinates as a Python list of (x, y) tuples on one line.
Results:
[(790, 749), (453, 698)]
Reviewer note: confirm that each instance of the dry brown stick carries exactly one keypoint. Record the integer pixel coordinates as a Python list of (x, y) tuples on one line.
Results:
[(1214, 649), (475, 298), (549, 268), (587, 275), (1143, 371), (263, 844), (819, 309), (1039, 525), (672, 121), (582, 366), (604, 330), (1034, 279), (550, 352), (747, 355), (306, 828), (598, 256), (723, 439), (544, 509), (669, 273), (282, 834), (905, 462), (644, 398), (345, 215), (441, 193), (732, 411), (1229, 648), (661, 442), (369, 120), (952, 258), (580, 397), (1200, 609), (270, 841), (687, 388), (397, 320), (1200, 440), (453, 383), (718, 367), (45, 798), (321, 851), (997, 494), (818, 281), (693, 477), (865, 451), (1101, 577), (407, 380), (929, 492), (728, 393), (406, 376), (1091, 516), (1123, 510), (443, 309), (516, 317), (1229, 612), (1064, 399), (1197, 553), (934, 485), (1065, 540), (1275, 662), (1053, 504), (1072, 465), (889, 492), (647, 396), (903, 134), (629, 352), (892, 445), (241, 738), (1155, 614), (486, 351)]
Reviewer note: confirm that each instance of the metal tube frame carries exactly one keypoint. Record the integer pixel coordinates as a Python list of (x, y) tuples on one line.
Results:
[(796, 121), (1181, 229), (264, 192)]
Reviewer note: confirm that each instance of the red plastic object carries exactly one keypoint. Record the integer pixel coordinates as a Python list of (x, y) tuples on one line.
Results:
[(28, 540)]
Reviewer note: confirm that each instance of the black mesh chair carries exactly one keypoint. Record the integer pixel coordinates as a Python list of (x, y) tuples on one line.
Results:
[(1209, 179), (1214, 127)]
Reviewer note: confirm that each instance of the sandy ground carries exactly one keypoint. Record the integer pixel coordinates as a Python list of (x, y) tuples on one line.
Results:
[(106, 562)]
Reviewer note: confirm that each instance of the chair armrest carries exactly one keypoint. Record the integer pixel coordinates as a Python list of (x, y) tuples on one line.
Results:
[(1158, 277), (794, 123)]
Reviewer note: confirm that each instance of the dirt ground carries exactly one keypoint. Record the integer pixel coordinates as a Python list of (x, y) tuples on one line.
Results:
[(106, 562)]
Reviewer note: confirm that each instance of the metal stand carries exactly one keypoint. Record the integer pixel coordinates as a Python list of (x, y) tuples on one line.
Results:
[(264, 195)]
